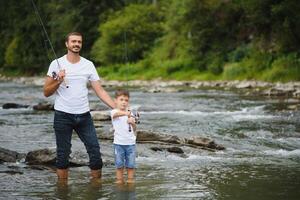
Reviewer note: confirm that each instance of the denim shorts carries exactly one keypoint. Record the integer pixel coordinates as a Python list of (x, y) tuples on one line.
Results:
[(124, 156)]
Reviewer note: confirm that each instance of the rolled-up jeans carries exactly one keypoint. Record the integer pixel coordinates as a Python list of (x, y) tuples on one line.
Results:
[(64, 124)]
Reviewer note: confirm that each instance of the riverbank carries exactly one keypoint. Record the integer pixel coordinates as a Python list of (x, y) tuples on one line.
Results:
[(289, 89)]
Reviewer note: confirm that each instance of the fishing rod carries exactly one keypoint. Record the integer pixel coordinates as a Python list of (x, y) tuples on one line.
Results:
[(127, 73), (47, 37), (133, 112)]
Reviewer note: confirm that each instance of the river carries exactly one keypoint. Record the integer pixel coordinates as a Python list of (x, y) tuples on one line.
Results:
[(261, 136)]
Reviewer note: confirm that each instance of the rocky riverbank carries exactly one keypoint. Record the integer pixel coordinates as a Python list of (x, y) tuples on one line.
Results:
[(289, 89)]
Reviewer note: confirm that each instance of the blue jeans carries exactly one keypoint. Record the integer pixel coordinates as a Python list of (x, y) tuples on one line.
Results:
[(64, 124), (124, 156)]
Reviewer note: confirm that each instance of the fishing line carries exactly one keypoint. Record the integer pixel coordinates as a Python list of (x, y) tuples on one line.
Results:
[(126, 58), (47, 37)]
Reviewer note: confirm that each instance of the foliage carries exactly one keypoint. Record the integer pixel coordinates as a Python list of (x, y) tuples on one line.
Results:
[(171, 39), (284, 68), (137, 27)]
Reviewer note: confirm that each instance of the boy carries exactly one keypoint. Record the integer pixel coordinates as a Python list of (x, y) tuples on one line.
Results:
[(124, 137)]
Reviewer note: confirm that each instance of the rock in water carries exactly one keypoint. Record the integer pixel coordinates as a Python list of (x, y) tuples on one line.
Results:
[(10, 156), (100, 115), (13, 105), (144, 136), (48, 157), (205, 142), (156, 149), (44, 106), (147, 136), (175, 150), (169, 149), (43, 156)]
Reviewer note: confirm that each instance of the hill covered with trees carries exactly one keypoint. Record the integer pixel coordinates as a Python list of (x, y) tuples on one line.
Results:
[(147, 39)]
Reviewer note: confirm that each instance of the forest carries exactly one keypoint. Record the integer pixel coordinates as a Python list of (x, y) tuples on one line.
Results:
[(150, 39)]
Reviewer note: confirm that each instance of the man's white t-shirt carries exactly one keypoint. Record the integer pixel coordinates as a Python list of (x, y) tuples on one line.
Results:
[(122, 135), (73, 99)]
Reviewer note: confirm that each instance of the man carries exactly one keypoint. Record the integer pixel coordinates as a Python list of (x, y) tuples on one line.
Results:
[(67, 77)]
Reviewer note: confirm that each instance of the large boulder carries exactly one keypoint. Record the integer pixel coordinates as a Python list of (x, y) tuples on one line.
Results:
[(100, 115), (146, 136), (10, 156), (48, 157), (42, 156)]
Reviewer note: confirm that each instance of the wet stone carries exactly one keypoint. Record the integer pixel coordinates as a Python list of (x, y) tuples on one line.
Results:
[(44, 106), (13, 106)]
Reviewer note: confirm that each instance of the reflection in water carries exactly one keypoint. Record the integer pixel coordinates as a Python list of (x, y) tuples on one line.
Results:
[(62, 189), (91, 190), (125, 191), (94, 190)]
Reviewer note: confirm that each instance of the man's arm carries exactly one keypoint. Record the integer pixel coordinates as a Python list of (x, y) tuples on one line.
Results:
[(102, 94), (51, 86)]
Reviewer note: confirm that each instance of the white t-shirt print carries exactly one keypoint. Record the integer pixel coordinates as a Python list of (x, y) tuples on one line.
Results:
[(73, 99), (122, 135)]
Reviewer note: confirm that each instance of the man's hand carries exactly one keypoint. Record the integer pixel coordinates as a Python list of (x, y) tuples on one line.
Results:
[(61, 75)]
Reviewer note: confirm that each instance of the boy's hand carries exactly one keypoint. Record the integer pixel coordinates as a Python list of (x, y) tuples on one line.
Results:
[(131, 120), (128, 113)]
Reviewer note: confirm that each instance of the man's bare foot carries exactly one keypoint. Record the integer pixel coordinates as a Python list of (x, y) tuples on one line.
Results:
[(130, 181)]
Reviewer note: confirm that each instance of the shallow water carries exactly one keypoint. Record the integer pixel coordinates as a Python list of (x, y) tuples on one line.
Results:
[(261, 161)]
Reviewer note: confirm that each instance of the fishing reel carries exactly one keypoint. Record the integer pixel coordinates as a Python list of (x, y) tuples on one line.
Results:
[(136, 115), (56, 77)]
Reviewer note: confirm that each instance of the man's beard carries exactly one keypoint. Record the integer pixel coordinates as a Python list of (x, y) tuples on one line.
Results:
[(76, 51)]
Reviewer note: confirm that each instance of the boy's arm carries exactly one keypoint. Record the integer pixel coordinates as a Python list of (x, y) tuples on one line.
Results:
[(120, 113)]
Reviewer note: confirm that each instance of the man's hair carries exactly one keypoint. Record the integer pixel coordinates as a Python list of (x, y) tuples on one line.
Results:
[(72, 33), (121, 93)]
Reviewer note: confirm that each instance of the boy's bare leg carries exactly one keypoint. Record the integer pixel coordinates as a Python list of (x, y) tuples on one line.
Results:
[(130, 174), (119, 176)]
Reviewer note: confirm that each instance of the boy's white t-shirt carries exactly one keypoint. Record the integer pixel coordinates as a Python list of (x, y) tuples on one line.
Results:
[(73, 99), (122, 135)]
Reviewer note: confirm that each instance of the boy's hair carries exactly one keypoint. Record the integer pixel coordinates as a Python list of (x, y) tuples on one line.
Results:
[(121, 93), (72, 33)]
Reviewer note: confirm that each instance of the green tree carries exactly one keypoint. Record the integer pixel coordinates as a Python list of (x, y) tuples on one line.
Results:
[(140, 25)]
